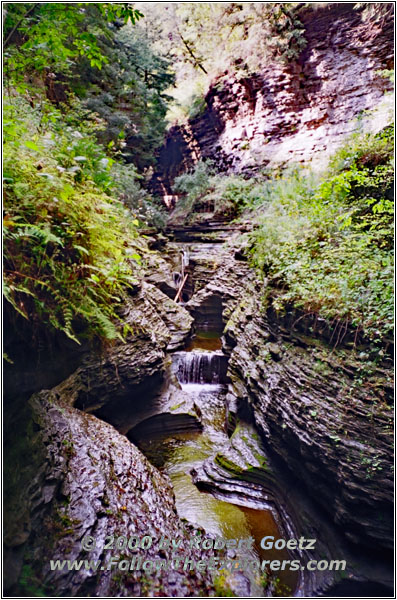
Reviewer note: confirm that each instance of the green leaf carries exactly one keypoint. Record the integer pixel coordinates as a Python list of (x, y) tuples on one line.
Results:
[(82, 249), (31, 145)]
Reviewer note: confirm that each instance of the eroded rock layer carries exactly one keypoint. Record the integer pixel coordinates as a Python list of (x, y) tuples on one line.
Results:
[(126, 372), (88, 480), (70, 474), (296, 112), (326, 423), (316, 406)]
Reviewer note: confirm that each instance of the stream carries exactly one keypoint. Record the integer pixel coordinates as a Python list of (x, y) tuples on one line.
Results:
[(201, 372), (198, 430)]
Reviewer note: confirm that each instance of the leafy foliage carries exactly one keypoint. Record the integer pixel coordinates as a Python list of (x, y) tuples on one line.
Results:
[(77, 74), (41, 36), (91, 51), (128, 94), (197, 189), (326, 242), (71, 250), (204, 191), (145, 208), (195, 182), (208, 39)]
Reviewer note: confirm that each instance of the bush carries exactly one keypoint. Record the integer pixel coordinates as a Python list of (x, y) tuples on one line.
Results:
[(224, 196), (144, 207), (195, 182), (326, 242), (192, 186)]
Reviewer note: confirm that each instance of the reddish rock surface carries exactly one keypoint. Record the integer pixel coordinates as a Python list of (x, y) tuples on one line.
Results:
[(296, 112)]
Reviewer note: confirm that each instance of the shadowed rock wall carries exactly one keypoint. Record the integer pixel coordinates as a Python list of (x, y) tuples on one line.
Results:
[(86, 479), (326, 418), (69, 474)]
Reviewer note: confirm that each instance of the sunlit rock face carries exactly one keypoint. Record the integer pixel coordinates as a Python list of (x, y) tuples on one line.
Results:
[(292, 113)]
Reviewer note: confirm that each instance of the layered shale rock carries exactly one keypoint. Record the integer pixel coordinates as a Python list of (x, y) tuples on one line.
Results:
[(125, 371), (85, 479), (65, 468), (322, 408), (325, 421), (297, 112), (219, 276), (157, 325), (321, 413)]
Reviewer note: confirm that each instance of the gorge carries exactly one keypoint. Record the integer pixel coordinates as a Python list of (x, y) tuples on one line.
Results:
[(224, 406)]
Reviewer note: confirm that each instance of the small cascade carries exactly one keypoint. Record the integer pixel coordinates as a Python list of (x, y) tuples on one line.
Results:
[(200, 367)]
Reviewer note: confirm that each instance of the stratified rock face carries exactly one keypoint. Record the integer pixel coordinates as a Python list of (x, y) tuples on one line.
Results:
[(128, 371), (157, 323), (68, 473), (326, 420), (321, 415), (89, 480), (293, 113)]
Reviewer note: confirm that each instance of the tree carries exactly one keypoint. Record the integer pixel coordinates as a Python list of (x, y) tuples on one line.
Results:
[(50, 35), (205, 40)]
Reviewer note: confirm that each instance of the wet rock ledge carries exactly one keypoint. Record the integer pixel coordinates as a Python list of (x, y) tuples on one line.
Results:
[(90, 480), (69, 474), (325, 419), (318, 408), (322, 415)]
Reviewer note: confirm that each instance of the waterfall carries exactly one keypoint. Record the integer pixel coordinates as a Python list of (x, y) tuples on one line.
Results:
[(200, 367)]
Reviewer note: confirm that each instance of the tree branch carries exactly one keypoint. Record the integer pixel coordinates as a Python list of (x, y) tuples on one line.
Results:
[(13, 30), (196, 61)]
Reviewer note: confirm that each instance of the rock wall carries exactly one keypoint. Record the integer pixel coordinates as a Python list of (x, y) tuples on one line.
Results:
[(124, 371), (324, 412), (296, 112), (330, 427), (86, 479), (70, 474), (325, 421)]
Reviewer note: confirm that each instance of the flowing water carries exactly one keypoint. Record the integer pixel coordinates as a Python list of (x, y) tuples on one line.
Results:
[(205, 340), (199, 368), (202, 374)]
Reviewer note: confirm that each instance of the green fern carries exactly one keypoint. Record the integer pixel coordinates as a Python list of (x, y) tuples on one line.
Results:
[(42, 234), (67, 244)]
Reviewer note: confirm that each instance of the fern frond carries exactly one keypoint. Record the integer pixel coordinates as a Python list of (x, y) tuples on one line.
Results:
[(43, 234)]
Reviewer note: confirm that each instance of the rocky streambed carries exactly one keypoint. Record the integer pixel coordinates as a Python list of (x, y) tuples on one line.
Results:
[(324, 421), (238, 511), (324, 426), (216, 417)]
